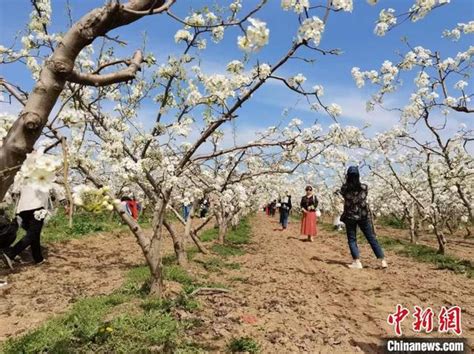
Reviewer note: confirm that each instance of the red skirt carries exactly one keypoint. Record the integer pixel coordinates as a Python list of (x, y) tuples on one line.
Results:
[(309, 224)]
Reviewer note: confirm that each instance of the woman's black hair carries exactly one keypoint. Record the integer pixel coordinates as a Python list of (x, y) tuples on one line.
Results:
[(353, 178)]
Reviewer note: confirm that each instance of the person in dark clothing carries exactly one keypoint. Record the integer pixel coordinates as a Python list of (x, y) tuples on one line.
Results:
[(356, 213), (285, 208), (8, 230), (273, 208), (204, 206)]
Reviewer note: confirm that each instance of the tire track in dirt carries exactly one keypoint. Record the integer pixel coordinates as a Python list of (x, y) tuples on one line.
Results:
[(303, 298)]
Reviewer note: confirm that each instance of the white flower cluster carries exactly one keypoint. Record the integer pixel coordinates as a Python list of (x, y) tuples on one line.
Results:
[(297, 6), (39, 170), (422, 7), (262, 71), (183, 35), (182, 128), (388, 74), (311, 30), (256, 36), (41, 214), (219, 86), (461, 28), (386, 20), (360, 77), (6, 122), (297, 80), (95, 200), (334, 109), (235, 67), (345, 5), (235, 6)]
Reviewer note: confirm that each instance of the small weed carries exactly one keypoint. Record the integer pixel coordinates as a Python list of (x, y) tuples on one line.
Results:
[(243, 345)]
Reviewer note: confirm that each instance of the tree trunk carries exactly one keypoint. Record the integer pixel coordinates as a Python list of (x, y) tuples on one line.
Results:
[(413, 233), (441, 240), (155, 264), (178, 244), (56, 71), (222, 231), (153, 252)]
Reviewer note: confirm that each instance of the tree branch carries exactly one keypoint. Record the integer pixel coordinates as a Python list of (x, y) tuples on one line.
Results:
[(126, 74)]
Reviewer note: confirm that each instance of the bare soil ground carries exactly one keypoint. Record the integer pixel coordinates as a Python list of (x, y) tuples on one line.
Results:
[(291, 296), (92, 265), (294, 296)]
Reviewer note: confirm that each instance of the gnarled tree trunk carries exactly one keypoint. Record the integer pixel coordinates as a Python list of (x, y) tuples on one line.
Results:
[(59, 69)]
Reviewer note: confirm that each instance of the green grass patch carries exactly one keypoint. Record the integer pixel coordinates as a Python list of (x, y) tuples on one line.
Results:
[(141, 324), (209, 235), (84, 223), (428, 254), (243, 345), (227, 250), (216, 264), (241, 234), (392, 221)]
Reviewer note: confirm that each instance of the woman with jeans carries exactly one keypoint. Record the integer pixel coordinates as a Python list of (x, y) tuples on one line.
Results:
[(356, 213)]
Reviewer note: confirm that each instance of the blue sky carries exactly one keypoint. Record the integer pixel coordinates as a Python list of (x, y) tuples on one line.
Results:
[(352, 33)]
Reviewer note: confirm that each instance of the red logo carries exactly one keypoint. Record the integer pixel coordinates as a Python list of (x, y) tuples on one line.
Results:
[(449, 319), (396, 319)]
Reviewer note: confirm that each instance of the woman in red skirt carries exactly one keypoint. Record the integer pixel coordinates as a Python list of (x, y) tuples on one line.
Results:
[(308, 205)]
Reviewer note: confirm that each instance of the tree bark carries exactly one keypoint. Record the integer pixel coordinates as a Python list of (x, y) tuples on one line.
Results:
[(178, 244), (223, 225), (55, 73), (153, 252)]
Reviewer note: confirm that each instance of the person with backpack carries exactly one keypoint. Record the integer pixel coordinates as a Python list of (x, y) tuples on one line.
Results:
[(32, 208), (356, 213), (308, 205)]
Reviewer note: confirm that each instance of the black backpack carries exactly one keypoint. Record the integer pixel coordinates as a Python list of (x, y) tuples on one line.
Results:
[(8, 230)]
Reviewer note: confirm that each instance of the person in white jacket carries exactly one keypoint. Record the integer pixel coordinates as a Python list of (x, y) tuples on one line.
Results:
[(32, 208)]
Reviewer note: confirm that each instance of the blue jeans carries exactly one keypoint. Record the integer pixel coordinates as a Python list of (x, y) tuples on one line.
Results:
[(284, 214), (186, 211), (366, 228)]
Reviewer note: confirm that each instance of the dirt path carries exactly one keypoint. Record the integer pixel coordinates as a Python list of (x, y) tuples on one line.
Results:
[(291, 296), (89, 266), (294, 296)]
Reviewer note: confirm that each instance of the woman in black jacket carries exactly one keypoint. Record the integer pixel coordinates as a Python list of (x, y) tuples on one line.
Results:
[(356, 213)]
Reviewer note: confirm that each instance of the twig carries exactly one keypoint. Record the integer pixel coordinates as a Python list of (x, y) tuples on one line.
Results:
[(209, 290)]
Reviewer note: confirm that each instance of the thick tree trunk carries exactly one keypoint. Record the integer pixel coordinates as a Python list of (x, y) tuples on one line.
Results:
[(154, 252), (413, 231), (178, 244), (441, 240), (56, 71), (222, 231), (155, 264)]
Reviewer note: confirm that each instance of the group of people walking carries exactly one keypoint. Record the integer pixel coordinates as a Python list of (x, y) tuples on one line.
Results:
[(355, 214)]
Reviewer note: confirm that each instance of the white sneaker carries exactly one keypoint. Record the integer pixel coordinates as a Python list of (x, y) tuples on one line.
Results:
[(384, 263), (7, 261), (356, 265)]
